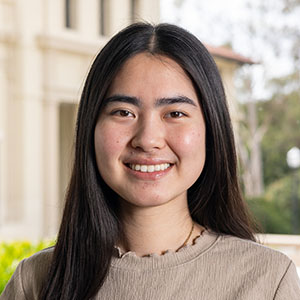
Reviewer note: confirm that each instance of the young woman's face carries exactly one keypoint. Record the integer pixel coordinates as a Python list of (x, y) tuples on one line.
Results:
[(150, 135)]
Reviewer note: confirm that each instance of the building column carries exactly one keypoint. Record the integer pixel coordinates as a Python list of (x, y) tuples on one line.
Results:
[(52, 204), (3, 112), (33, 166), (120, 15)]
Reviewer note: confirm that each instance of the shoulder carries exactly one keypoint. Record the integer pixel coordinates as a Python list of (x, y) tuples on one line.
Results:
[(271, 267), (29, 276), (34, 270), (252, 249), (254, 252), (38, 263), (258, 269), (254, 258)]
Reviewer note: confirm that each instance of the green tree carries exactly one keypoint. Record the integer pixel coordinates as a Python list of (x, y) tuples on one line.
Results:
[(283, 114)]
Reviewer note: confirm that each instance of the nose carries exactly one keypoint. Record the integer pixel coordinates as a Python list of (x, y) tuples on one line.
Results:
[(149, 135)]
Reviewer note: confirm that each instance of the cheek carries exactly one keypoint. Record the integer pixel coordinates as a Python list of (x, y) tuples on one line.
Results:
[(190, 142), (109, 142)]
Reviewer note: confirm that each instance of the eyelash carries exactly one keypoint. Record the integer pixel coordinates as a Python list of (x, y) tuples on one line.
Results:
[(178, 114), (120, 111)]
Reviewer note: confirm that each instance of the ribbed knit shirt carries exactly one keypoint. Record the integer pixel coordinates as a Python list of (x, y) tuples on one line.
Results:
[(215, 267)]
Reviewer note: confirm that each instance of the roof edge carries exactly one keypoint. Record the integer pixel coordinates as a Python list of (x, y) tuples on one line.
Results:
[(227, 53)]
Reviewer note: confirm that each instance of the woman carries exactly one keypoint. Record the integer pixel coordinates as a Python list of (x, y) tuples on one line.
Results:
[(154, 209)]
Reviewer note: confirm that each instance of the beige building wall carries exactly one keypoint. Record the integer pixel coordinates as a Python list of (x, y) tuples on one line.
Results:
[(43, 63), (227, 69)]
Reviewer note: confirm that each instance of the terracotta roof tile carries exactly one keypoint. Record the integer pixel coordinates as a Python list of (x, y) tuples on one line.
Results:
[(227, 53)]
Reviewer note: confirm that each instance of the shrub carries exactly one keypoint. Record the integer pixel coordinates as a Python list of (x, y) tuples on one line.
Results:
[(274, 210), (271, 217), (12, 253)]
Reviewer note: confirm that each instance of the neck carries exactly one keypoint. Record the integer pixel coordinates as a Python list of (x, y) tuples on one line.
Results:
[(156, 229)]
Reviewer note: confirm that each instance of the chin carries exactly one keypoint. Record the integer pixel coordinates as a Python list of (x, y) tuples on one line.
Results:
[(144, 203), (150, 200)]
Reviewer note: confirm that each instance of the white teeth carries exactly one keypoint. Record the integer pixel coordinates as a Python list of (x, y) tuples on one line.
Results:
[(144, 168), (157, 167), (149, 168)]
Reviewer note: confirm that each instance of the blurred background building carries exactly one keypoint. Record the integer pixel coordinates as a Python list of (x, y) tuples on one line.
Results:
[(46, 48)]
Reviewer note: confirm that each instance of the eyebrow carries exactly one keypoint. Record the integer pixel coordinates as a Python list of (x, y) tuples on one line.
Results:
[(174, 100), (158, 102), (122, 98)]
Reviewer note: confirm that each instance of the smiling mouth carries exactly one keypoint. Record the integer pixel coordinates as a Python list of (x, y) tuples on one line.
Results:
[(149, 168)]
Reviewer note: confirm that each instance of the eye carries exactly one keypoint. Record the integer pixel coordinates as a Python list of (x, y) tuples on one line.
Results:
[(175, 114), (123, 113)]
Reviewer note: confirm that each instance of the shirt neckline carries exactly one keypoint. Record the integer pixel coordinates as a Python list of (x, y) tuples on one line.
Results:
[(131, 261)]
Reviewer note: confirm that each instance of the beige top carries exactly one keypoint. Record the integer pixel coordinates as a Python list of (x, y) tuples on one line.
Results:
[(214, 268)]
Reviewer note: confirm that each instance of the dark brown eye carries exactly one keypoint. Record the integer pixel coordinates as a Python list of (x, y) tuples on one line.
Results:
[(123, 113), (175, 114)]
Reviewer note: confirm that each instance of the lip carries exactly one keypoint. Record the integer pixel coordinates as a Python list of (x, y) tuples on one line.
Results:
[(156, 175), (146, 161)]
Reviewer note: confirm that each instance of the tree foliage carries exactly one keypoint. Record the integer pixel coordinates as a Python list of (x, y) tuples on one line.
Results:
[(269, 33), (283, 133), (11, 253), (278, 114)]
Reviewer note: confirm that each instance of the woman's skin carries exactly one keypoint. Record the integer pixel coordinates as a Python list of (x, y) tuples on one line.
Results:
[(152, 120)]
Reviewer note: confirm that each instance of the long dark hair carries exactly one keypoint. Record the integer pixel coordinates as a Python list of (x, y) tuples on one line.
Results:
[(90, 227)]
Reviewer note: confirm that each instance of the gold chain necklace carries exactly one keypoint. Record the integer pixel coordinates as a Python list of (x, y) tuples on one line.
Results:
[(187, 239), (163, 252)]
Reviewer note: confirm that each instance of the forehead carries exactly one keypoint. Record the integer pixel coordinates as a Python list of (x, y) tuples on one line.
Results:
[(146, 75)]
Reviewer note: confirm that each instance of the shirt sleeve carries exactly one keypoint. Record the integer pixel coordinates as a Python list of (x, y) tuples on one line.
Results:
[(14, 288), (289, 286)]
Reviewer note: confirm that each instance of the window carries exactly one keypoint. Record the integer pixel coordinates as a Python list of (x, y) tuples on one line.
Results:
[(70, 14), (103, 16), (134, 10)]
